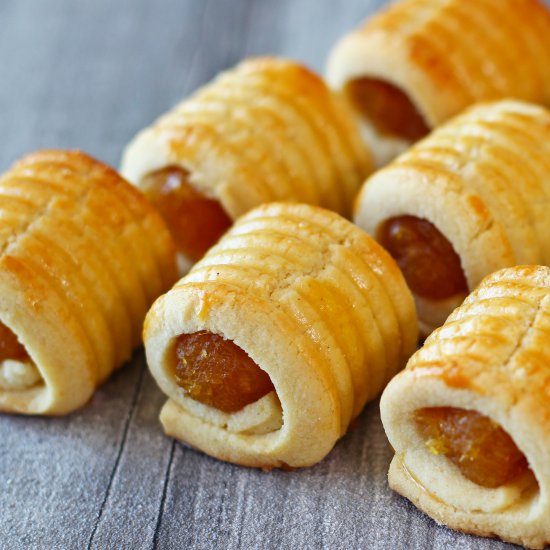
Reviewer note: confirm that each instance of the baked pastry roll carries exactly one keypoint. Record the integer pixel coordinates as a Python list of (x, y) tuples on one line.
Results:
[(276, 339), (468, 200), (83, 257), (419, 62), (469, 418), (266, 130)]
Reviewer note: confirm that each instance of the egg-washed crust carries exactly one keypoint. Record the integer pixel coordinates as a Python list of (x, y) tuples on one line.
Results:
[(82, 257), (446, 55), (491, 356), (482, 179), (267, 130), (315, 303)]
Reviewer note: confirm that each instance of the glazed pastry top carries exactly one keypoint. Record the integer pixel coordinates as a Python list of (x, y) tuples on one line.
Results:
[(481, 379), (83, 256), (481, 180), (267, 130), (314, 302), (421, 47)]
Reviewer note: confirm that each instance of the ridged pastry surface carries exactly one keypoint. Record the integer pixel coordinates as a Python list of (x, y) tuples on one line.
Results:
[(492, 356), (83, 255), (449, 54), (483, 180), (267, 130), (314, 302)]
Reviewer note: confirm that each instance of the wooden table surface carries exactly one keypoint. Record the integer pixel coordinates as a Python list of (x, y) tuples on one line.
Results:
[(88, 75)]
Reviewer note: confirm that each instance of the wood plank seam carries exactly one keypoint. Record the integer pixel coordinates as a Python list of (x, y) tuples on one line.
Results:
[(167, 476), (122, 445)]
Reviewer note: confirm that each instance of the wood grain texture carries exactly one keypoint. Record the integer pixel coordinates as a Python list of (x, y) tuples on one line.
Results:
[(89, 75)]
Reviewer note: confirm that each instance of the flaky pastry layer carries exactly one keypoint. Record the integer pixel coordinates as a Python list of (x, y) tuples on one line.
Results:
[(316, 303), (447, 55), (267, 130), (491, 356), (483, 179), (83, 255)]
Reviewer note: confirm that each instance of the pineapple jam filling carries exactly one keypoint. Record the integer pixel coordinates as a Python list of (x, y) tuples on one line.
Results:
[(218, 373), (427, 259), (10, 347), (17, 371), (195, 221), (484, 453), (387, 107)]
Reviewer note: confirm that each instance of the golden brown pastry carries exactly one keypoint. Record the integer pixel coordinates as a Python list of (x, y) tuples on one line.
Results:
[(419, 62), (83, 256), (266, 130), (277, 338), (469, 418), (466, 201)]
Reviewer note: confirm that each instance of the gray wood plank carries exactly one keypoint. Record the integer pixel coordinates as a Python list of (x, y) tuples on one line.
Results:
[(55, 472), (129, 511)]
